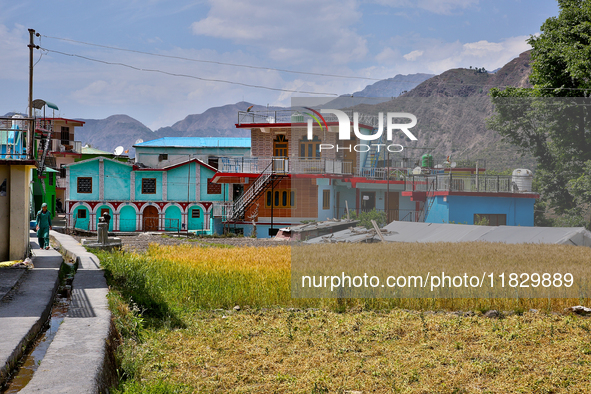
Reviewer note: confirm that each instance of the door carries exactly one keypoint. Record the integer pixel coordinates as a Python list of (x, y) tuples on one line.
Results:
[(280, 146), (368, 201), (393, 206), (150, 218)]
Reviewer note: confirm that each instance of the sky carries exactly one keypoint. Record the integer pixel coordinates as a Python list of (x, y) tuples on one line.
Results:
[(363, 40)]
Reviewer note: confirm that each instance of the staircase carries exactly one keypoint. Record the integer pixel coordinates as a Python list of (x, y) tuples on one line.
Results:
[(240, 206), (428, 201), (373, 156)]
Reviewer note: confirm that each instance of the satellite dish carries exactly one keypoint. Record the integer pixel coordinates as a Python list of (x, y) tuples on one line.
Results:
[(417, 170), (139, 141), (118, 150), (454, 164), (438, 166)]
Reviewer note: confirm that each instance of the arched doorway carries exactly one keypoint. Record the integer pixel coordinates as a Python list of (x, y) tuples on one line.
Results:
[(150, 218), (127, 218), (172, 219), (99, 213)]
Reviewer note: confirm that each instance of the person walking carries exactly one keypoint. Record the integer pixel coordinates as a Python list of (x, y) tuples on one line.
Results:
[(43, 226)]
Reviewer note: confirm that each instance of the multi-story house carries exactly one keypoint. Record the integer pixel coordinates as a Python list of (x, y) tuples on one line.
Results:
[(16, 164), (292, 178), (57, 148)]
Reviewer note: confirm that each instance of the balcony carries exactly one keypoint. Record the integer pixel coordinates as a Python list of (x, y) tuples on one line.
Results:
[(60, 183), (71, 147), (284, 165), (13, 138)]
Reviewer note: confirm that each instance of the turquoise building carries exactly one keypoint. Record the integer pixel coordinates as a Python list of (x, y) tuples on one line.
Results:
[(178, 197)]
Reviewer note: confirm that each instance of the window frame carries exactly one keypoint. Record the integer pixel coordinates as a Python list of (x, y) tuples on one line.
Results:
[(155, 185), (82, 210), (278, 197), (326, 199), (78, 184), (198, 213), (212, 187)]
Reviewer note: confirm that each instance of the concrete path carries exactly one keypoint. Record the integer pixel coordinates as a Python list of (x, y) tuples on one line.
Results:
[(80, 358), (26, 308)]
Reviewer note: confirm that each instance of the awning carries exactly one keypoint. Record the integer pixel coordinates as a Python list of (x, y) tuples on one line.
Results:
[(38, 104)]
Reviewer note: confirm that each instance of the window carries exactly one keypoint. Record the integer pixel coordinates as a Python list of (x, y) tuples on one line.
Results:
[(195, 213), (280, 147), (280, 198), (163, 156), (213, 161), (84, 185), (326, 199), (310, 149), (65, 135), (81, 213), (213, 188), (51, 175), (149, 186), (490, 219)]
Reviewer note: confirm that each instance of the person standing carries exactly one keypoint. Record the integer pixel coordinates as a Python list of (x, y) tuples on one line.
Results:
[(43, 226)]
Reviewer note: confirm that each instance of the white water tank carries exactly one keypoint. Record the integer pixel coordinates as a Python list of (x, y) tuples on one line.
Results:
[(522, 180)]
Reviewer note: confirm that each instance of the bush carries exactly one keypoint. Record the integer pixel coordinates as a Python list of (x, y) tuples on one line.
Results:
[(365, 218)]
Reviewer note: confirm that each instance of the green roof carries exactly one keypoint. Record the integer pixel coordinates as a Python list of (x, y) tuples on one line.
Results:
[(93, 151)]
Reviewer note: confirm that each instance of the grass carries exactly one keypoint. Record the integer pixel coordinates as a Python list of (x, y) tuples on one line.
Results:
[(173, 308)]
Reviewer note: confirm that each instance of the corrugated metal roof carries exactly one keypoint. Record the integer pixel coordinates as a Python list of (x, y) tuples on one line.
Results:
[(198, 142), (439, 232)]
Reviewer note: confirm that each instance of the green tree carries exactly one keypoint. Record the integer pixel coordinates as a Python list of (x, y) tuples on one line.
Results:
[(551, 120)]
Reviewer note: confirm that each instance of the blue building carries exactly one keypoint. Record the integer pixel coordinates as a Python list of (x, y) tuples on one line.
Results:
[(173, 198), (170, 150)]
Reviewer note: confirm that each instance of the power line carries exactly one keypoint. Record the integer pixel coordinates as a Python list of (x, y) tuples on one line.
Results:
[(213, 61), (187, 76)]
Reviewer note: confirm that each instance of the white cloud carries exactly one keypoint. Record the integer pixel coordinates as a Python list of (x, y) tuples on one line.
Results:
[(437, 56), (293, 31), (445, 7), (412, 56)]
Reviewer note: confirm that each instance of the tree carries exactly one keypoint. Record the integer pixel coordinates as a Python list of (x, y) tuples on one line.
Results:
[(552, 119)]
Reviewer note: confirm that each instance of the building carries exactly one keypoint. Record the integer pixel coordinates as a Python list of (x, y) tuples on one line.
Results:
[(177, 197), (44, 190), (91, 153), (170, 150), (16, 164), (62, 149), (291, 179)]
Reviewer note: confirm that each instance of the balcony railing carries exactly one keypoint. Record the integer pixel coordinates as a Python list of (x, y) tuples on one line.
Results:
[(285, 165), (60, 182), (297, 116), (465, 183), (57, 146), (13, 138)]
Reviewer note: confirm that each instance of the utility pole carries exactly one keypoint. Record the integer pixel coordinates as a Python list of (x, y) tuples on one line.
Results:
[(31, 124)]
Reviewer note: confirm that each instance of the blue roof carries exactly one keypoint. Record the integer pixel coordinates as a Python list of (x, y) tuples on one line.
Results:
[(198, 142)]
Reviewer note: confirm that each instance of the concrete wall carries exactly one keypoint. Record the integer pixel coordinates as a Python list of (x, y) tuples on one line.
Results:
[(139, 196), (461, 209), (116, 181), (86, 169), (14, 211), (177, 179), (150, 155)]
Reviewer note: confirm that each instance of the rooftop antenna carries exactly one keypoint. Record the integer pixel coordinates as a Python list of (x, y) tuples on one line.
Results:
[(118, 150)]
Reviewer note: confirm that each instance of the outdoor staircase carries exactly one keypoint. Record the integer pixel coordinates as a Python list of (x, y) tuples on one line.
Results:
[(42, 165), (373, 156), (267, 177), (428, 201)]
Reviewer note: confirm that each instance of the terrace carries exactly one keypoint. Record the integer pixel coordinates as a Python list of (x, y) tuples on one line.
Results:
[(288, 116), (284, 165), (13, 138), (463, 183)]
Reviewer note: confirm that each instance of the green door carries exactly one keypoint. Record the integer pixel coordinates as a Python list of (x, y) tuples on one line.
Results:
[(195, 218)]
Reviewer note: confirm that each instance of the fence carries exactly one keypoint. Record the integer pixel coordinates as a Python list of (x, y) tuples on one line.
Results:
[(462, 183), (284, 165)]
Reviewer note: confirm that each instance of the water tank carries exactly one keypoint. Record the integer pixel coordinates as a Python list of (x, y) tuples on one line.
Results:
[(297, 118), (427, 161), (522, 180)]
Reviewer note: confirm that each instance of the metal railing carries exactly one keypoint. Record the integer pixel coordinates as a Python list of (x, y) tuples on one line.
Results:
[(60, 182), (298, 116), (254, 165), (55, 145), (463, 183), (12, 144), (242, 203)]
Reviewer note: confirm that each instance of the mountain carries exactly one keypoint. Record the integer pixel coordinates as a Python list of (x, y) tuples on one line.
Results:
[(214, 122), (107, 134), (393, 87), (451, 109)]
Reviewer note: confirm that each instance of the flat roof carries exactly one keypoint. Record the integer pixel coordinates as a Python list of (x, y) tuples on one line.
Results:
[(197, 142)]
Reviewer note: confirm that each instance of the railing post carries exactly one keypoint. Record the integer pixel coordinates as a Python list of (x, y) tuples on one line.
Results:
[(497, 183)]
